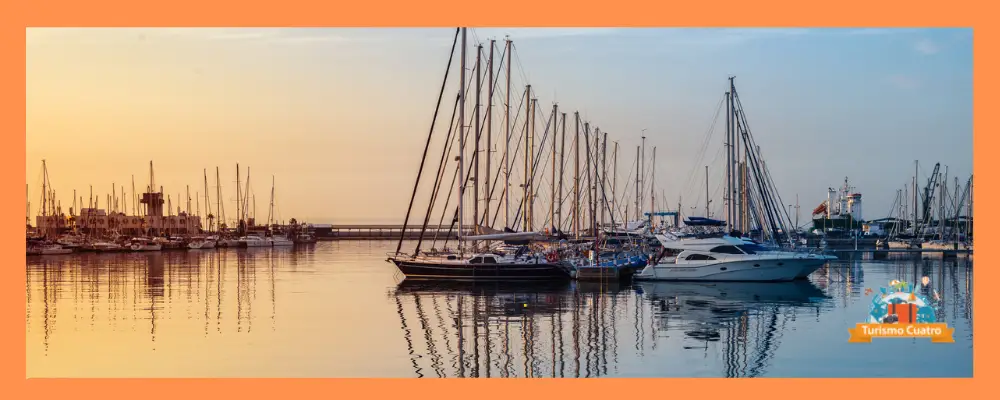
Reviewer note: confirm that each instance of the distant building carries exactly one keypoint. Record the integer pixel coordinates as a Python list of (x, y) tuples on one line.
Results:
[(98, 222)]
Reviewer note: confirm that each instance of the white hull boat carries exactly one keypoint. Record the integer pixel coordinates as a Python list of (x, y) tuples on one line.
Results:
[(280, 242), (201, 245), (49, 250), (254, 241), (945, 246), (729, 259), (227, 243), (105, 247), (146, 247)]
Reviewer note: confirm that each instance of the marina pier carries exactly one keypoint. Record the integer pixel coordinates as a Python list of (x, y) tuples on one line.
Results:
[(384, 232)]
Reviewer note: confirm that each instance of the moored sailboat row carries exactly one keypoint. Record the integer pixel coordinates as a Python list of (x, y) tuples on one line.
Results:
[(604, 249)]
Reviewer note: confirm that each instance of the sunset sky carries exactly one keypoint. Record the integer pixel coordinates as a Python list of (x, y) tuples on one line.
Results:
[(339, 117)]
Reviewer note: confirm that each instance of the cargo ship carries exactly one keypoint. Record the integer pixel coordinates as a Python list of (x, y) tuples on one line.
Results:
[(840, 212)]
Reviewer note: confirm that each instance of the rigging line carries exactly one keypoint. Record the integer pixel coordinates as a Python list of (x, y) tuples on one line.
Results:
[(704, 146), (699, 199), (766, 171), (601, 185), (446, 148), (451, 186), (465, 183), (756, 164), (515, 55), (534, 167), (512, 167)]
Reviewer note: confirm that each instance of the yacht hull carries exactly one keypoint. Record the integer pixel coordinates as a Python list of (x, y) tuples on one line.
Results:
[(734, 271), (481, 272), (53, 252), (202, 245)]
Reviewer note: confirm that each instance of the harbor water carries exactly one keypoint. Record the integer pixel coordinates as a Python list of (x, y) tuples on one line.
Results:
[(337, 309)]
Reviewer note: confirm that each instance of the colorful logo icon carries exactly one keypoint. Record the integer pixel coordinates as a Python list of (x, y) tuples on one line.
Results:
[(902, 310)]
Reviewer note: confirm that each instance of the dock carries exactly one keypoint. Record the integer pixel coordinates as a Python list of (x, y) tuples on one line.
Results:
[(383, 232)]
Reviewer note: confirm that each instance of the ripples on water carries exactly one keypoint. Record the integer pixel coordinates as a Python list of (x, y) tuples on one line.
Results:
[(336, 309)]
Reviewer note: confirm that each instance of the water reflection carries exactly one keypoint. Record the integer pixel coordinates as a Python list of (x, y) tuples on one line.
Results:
[(575, 330), (133, 292), (341, 313)]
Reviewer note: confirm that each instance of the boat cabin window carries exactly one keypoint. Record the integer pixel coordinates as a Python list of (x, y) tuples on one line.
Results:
[(476, 260), (489, 260), (452, 258), (699, 257), (726, 250)]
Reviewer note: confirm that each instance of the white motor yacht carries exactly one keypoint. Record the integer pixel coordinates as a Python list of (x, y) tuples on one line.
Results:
[(280, 241), (254, 241), (49, 249), (143, 244), (727, 259), (202, 243)]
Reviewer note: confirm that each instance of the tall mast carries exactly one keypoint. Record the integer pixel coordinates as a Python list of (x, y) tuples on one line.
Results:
[(489, 135), (744, 203), (248, 200), (188, 195), (652, 185), (475, 152), (531, 181), (637, 161), (597, 180), (562, 167), (506, 149), (727, 198), (555, 133), (461, 139), (208, 207), (968, 213), (590, 199), (270, 210), (707, 213), (916, 172), (642, 161), (45, 190), (239, 202), (526, 189), (604, 178), (219, 217), (135, 196), (614, 183), (576, 175), (796, 212)]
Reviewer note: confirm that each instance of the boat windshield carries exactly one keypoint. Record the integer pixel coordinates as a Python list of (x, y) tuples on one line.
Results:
[(752, 248)]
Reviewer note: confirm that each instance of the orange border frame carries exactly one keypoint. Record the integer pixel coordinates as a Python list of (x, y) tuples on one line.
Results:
[(506, 13)]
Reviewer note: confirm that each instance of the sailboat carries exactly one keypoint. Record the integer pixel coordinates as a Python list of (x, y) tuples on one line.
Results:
[(476, 265)]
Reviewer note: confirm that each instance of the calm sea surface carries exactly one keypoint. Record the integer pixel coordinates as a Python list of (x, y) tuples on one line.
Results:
[(337, 309)]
